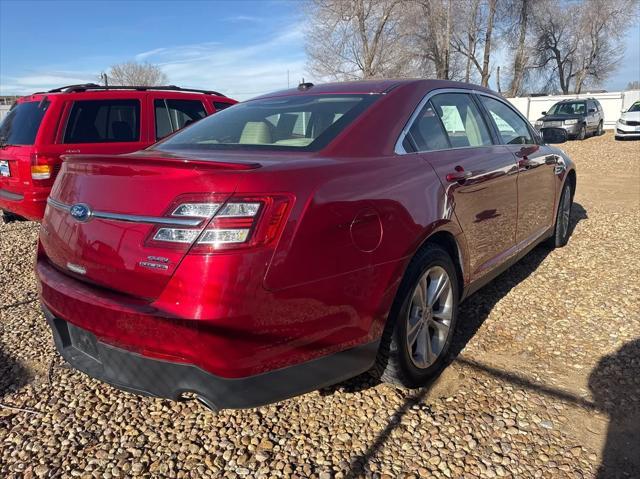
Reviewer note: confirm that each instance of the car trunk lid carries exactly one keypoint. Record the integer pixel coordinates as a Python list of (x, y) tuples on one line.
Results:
[(103, 210)]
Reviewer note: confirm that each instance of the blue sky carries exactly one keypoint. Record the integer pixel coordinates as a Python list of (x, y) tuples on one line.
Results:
[(242, 48)]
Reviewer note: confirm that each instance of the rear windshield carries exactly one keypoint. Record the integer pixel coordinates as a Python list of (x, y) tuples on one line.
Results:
[(572, 108), (21, 124), (301, 123)]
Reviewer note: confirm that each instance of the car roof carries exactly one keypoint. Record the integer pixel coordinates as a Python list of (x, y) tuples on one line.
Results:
[(370, 87)]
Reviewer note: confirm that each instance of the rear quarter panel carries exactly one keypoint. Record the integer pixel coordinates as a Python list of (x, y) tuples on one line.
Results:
[(355, 225)]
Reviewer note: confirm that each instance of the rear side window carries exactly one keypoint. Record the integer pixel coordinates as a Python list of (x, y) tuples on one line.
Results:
[(103, 121), (303, 123), (462, 120), (221, 105), (427, 132), (21, 124), (172, 115), (512, 128)]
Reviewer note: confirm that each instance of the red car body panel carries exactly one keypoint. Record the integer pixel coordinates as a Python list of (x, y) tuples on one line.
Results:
[(22, 195), (357, 214)]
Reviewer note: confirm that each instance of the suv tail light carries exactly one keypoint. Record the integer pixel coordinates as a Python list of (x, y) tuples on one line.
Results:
[(239, 222), (42, 167)]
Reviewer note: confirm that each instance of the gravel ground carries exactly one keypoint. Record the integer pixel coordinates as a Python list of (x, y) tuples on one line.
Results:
[(545, 382)]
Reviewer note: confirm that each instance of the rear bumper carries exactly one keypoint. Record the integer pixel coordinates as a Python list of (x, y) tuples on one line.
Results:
[(154, 377), (29, 204)]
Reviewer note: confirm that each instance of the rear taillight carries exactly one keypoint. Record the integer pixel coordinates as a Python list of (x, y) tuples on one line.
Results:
[(43, 167), (239, 222), (41, 172)]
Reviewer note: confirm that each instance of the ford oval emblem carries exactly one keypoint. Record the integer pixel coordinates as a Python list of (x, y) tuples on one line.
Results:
[(80, 212)]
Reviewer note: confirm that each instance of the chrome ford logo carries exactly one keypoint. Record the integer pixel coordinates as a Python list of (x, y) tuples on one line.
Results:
[(80, 212)]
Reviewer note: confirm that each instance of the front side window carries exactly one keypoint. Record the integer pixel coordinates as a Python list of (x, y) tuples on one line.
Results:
[(21, 124), (462, 120), (512, 128), (305, 123), (173, 115), (103, 121)]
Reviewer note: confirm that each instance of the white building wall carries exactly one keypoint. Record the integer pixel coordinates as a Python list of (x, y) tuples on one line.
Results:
[(3, 110)]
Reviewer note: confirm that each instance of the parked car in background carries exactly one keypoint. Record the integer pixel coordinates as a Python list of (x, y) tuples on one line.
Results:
[(296, 240), (628, 126), (578, 117), (86, 119)]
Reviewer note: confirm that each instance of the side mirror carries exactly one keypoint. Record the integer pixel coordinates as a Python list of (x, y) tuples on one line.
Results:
[(544, 112), (554, 135), (592, 110)]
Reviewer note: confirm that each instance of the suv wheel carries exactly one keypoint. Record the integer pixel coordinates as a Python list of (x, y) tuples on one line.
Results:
[(582, 134), (600, 129), (418, 334), (9, 217)]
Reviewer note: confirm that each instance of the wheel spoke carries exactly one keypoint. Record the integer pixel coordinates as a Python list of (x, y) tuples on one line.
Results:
[(438, 286), (413, 331), (420, 295), (441, 328), (423, 348)]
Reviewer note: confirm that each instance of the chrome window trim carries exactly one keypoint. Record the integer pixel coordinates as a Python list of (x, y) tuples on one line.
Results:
[(154, 220), (399, 149)]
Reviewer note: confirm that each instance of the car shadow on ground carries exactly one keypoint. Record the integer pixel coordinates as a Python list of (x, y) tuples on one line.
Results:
[(473, 312), (615, 387), (13, 375)]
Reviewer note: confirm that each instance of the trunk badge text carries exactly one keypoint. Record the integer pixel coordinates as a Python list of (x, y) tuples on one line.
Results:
[(155, 262), (80, 212)]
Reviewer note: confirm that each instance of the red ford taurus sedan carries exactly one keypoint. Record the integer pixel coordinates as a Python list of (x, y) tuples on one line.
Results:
[(296, 240)]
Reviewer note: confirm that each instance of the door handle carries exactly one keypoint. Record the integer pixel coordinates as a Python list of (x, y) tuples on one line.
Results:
[(526, 163), (459, 175)]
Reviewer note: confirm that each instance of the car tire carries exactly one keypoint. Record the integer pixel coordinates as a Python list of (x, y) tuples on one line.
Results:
[(9, 217), (418, 334), (600, 130), (582, 134), (562, 227)]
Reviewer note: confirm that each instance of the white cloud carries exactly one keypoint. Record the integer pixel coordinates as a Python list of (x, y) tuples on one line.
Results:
[(43, 81), (239, 72)]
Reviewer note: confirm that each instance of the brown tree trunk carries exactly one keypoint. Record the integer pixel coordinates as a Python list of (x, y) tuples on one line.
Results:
[(520, 58), (487, 43)]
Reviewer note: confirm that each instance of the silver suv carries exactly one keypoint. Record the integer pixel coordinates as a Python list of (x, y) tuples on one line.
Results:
[(578, 117)]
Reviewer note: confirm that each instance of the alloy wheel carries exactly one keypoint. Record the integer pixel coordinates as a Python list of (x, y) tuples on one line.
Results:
[(429, 317)]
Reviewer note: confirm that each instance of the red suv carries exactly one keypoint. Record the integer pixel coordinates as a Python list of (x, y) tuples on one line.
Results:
[(86, 119), (296, 240)]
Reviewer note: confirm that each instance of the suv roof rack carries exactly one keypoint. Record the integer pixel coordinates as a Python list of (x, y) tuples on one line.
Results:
[(92, 86)]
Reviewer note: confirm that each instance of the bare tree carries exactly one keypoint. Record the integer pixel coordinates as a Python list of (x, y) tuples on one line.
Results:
[(353, 39), (431, 24), (474, 39), (132, 73), (578, 44), (516, 26), (633, 85)]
